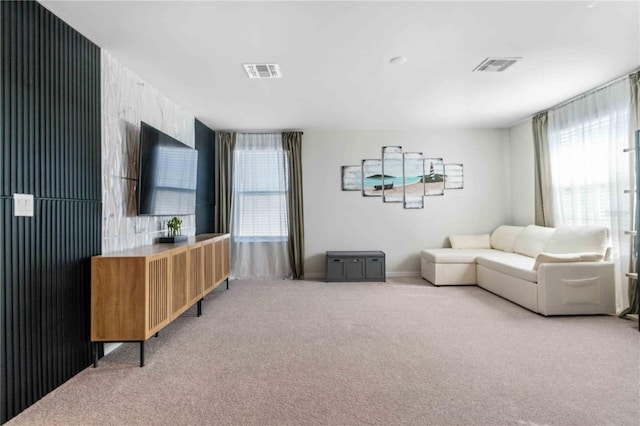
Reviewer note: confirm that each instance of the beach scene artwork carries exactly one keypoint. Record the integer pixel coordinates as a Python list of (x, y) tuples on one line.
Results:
[(372, 178), (453, 176), (392, 174), (433, 176), (412, 185), (351, 178), (402, 177)]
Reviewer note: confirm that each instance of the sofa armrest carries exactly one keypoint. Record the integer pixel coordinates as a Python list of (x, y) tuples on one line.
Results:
[(577, 288)]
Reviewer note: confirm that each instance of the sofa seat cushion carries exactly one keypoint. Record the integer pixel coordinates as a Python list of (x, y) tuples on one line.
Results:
[(511, 264), (449, 255)]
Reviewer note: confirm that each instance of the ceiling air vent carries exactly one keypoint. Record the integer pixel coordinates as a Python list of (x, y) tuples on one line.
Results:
[(496, 64), (263, 70)]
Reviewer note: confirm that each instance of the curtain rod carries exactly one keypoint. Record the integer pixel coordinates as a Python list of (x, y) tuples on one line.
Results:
[(588, 92)]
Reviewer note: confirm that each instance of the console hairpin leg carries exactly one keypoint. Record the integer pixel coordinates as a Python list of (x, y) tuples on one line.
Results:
[(227, 283), (142, 353), (94, 348), (200, 307)]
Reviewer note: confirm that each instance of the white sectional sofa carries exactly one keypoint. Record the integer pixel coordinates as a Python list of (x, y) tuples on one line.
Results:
[(552, 271)]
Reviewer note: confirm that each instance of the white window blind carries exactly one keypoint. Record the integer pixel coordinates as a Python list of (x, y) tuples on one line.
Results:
[(260, 194), (584, 170)]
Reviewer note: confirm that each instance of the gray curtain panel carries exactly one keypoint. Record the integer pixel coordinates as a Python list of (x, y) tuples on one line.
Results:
[(543, 193), (292, 143), (224, 180), (634, 124)]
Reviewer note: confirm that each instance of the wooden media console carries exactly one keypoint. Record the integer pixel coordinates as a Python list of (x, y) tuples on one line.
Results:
[(135, 293)]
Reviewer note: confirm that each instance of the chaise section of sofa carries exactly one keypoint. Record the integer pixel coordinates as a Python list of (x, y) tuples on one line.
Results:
[(457, 265), (563, 271), (450, 266)]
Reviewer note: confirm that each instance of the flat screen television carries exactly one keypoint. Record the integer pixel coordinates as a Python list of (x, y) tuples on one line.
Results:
[(167, 175)]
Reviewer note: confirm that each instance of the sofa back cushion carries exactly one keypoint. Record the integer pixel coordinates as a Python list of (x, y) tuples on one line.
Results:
[(504, 237), (470, 241), (533, 240), (579, 239)]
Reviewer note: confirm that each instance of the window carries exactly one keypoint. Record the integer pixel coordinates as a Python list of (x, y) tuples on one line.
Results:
[(585, 170), (259, 224), (260, 196), (590, 170)]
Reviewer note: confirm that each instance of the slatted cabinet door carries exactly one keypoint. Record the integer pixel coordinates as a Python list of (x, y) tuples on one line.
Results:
[(226, 256), (180, 280), (196, 274), (208, 249), (159, 297), (217, 268), (221, 258)]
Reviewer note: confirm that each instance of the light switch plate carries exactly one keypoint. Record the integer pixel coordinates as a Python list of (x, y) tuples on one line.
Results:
[(23, 204)]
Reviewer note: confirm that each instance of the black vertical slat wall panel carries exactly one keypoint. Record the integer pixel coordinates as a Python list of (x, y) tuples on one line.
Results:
[(50, 85), (205, 140), (50, 131)]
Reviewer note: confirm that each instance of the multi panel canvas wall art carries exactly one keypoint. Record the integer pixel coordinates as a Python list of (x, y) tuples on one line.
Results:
[(392, 174), (405, 178), (434, 176), (351, 178), (413, 180), (372, 178), (453, 176)]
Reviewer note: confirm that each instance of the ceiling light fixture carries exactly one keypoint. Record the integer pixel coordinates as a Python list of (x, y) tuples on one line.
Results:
[(398, 60)]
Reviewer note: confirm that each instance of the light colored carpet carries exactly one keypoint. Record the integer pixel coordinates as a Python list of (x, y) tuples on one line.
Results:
[(401, 352)]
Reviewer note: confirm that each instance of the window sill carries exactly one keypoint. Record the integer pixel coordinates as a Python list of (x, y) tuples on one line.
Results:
[(260, 239)]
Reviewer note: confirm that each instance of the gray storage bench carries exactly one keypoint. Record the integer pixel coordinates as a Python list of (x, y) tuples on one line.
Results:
[(355, 266)]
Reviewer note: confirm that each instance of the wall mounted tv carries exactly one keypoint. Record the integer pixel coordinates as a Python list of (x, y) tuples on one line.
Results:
[(167, 175)]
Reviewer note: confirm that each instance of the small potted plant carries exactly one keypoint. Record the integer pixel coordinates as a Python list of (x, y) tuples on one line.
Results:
[(173, 232), (174, 226)]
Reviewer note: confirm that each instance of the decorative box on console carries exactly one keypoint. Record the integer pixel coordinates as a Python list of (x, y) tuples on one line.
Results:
[(355, 266)]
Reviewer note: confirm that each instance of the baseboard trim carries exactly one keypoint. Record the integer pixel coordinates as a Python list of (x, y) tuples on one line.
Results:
[(403, 274), (314, 275)]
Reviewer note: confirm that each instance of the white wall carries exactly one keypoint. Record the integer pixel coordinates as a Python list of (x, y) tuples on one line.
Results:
[(521, 159), (345, 220)]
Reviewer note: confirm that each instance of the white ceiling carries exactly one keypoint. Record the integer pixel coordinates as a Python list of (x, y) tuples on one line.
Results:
[(334, 57)]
